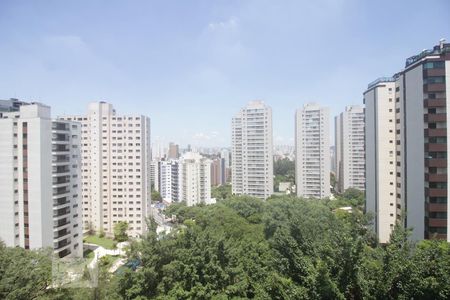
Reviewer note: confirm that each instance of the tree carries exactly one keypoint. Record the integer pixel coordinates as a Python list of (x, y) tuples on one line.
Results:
[(120, 231), (24, 274), (156, 196), (221, 192), (284, 171)]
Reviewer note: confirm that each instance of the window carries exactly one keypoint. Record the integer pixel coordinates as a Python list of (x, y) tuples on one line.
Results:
[(434, 79), (434, 65)]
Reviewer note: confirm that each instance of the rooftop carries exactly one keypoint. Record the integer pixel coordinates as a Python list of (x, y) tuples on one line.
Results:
[(437, 50), (380, 80)]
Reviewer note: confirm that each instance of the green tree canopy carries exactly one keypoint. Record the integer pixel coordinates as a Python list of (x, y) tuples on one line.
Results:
[(120, 231)]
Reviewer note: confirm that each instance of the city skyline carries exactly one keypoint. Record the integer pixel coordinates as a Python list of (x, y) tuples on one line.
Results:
[(191, 65)]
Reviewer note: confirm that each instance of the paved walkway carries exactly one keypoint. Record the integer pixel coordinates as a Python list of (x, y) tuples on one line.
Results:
[(100, 251)]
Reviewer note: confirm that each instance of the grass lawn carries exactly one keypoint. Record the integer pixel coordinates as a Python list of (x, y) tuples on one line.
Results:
[(104, 242)]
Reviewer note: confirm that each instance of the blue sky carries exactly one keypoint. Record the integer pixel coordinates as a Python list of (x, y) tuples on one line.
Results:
[(191, 65)]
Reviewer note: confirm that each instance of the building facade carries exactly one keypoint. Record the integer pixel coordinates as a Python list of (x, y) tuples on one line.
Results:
[(312, 151), (174, 151), (217, 165), (154, 174), (349, 150), (419, 133), (66, 185), (252, 151), (39, 181), (379, 100), (422, 147), (195, 179), (169, 181), (116, 169)]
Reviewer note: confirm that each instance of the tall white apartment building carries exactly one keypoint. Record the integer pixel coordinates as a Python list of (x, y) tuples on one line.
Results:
[(349, 149), (169, 180), (39, 182), (116, 169), (312, 151), (66, 174), (379, 99), (195, 179), (252, 151), (407, 155)]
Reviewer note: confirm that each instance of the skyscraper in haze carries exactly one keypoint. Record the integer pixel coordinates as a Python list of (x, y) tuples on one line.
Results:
[(252, 151), (173, 152)]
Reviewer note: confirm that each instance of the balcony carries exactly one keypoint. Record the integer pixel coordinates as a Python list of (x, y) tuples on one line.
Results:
[(436, 162), (436, 177), (435, 236), (430, 103), (60, 191), (60, 126), (61, 244), (61, 180), (60, 170), (60, 148), (62, 222), (435, 132), (432, 147), (437, 222), (60, 159), (435, 192), (434, 87), (61, 233), (435, 117), (434, 72), (61, 212), (61, 202), (436, 207)]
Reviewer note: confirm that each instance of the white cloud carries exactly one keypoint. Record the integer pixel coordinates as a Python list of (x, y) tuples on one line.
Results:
[(230, 24)]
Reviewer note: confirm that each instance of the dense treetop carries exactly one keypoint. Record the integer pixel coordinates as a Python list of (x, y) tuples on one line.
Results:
[(282, 248)]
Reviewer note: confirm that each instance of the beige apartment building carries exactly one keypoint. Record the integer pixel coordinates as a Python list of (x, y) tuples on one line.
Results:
[(115, 169)]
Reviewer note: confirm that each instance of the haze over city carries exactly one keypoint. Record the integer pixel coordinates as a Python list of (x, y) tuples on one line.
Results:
[(191, 65)]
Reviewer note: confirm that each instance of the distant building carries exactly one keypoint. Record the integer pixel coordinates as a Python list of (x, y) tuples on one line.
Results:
[(174, 151), (252, 151), (216, 172), (154, 174), (195, 179), (169, 180), (284, 187), (349, 149), (225, 155), (312, 148), (116, 169), (11, 105)]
